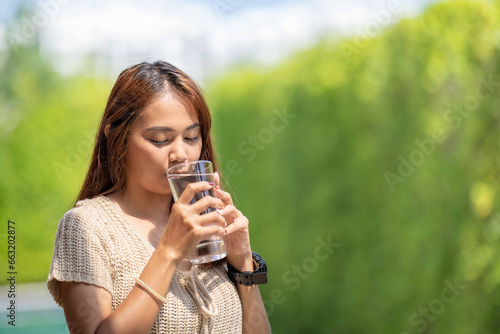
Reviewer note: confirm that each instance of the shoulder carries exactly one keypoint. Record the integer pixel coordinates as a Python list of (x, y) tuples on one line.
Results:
[(86, 215), (82, 249)]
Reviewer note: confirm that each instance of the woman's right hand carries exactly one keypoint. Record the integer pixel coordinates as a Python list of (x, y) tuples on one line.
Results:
[(186, 227)]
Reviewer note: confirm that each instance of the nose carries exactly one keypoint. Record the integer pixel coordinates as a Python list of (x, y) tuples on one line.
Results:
[(178, 153)]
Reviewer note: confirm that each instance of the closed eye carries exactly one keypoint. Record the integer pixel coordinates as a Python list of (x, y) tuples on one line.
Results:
[(164, 142), (191, 139), (158, 143)]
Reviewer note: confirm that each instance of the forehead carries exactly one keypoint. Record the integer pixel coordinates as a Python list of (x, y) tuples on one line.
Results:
[(166, 111)]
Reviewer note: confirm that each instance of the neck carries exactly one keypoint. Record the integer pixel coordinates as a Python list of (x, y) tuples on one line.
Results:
[(143, 204)]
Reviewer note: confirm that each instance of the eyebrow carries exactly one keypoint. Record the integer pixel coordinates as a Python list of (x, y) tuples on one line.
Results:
[(167, 129)]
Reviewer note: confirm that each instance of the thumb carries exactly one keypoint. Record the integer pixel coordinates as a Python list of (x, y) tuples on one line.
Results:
[(217, 179)]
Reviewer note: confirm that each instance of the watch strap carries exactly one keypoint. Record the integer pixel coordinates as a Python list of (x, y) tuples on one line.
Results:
[(248, 278)]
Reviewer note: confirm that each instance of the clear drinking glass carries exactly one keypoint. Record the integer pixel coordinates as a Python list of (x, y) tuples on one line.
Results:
[(179, 176)]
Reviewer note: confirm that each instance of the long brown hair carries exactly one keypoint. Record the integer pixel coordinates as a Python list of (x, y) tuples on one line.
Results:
[(136, 88)]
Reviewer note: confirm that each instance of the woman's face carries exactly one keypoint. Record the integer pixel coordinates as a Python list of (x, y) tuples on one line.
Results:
[(163, 136)]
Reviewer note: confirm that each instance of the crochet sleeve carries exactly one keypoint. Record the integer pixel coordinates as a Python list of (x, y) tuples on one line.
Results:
[(80, 253)]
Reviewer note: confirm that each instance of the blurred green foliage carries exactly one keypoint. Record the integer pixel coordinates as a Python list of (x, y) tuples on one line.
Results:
[(47, 131), (324, 174), (390, 152)]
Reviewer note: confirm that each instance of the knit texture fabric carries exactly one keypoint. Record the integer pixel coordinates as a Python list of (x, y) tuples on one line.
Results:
[(95, 244)]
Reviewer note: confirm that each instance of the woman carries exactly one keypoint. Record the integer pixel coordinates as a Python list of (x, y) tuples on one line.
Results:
[(119, 262)]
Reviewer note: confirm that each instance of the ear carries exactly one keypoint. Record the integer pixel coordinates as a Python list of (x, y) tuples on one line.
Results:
[(106, 130)]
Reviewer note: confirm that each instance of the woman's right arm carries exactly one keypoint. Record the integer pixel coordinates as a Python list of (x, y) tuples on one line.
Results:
[(88, 307)]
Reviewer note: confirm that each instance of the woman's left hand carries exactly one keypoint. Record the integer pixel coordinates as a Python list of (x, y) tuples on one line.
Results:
[(237, 238)]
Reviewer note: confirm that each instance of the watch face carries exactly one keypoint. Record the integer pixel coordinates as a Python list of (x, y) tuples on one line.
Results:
[(262, 264)]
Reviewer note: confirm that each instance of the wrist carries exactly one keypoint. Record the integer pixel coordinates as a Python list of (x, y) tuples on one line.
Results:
[(168, 256), (256, 275), (242, 262)]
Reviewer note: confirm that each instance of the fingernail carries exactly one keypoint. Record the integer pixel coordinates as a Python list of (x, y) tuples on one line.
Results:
[(211, 184), (225, 231), (217, 187), (219, 211)]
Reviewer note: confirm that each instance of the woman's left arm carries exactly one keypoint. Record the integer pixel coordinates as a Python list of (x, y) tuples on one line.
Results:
[(254, 314), (239, 255)]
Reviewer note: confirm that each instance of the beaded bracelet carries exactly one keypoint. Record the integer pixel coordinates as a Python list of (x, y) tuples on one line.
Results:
[(151, 291)]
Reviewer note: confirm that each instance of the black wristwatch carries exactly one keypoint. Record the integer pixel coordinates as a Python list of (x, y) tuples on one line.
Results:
[(248, 278)]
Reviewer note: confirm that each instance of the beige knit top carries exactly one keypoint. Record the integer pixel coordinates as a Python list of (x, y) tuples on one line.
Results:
[(95, 244)]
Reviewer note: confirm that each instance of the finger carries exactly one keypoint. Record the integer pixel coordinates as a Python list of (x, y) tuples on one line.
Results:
[(191, 189), (224, 196), (237, 226), (211, 218), (210, 230), (217, 179), (205, 203), (231, 212)]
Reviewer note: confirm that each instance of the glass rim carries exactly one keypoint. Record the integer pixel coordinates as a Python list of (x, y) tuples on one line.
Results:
[(190, 163)]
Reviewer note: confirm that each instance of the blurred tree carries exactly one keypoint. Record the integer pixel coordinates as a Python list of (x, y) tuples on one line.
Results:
[(391, 152), (370, 181), (46, 137)]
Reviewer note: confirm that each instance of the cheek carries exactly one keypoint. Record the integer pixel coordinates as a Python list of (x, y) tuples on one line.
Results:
[(194, 152), (142, 157)]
